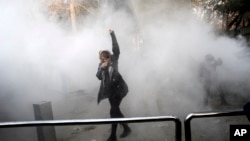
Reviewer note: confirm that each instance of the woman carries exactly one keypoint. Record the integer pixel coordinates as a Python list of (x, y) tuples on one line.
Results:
[(113, 85)]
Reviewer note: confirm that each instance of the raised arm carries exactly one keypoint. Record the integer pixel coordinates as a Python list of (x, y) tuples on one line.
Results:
[(115, 46)]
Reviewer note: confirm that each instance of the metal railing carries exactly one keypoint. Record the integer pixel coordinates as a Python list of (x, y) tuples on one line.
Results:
[(96, 121), (178, 130), (187, 122)]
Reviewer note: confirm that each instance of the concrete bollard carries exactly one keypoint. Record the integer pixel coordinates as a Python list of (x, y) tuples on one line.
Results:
[(43, 111)]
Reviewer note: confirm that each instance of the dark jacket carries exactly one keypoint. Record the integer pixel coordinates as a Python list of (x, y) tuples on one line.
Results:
[(112, 83)]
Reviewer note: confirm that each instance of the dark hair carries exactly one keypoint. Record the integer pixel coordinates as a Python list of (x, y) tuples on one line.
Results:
[(104, 53)]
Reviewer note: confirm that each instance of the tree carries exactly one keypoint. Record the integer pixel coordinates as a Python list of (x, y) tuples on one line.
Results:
[(230, 14), (236, 13)]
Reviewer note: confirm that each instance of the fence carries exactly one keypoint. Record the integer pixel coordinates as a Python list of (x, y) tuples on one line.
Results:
[(187, 122), (178, 129), (97, 121)]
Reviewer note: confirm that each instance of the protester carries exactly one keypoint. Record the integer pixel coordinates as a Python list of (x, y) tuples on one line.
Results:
[(112, 85), (208, 76), (246, 109)]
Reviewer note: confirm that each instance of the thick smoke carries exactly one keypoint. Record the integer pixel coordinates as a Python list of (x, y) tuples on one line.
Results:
[(43, 60)]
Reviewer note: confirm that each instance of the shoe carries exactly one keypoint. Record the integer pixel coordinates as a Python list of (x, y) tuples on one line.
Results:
[(125, 133), (112, 138)]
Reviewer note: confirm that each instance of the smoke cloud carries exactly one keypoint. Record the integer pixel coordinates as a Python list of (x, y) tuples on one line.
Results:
[(42, 59)]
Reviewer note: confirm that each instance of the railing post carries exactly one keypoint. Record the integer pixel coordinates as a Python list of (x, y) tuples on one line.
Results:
[(178, 129), (187, 128)]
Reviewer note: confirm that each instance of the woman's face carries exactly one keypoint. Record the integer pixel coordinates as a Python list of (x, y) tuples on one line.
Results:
[(104, 59)]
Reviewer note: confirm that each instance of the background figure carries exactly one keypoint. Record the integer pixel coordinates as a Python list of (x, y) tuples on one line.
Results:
[(246, 109), (112, 85), (208, 76)]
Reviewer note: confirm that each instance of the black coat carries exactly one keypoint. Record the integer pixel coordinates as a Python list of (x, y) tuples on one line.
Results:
[(112, 83)]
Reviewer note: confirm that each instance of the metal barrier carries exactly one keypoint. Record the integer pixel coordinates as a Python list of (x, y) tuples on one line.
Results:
[(188, 119), (96, 121)]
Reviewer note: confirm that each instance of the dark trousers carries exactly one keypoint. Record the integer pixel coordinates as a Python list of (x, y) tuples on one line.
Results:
[(115, 111)]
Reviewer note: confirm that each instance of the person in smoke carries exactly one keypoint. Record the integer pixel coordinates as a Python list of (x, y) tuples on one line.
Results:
[(112, 85), (246, 109), (208, 76)]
